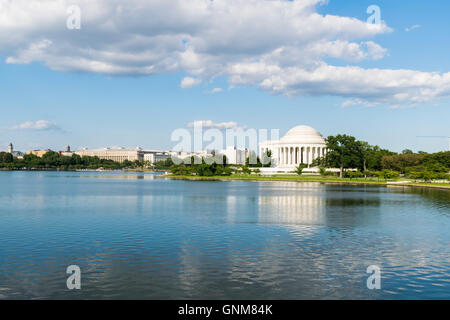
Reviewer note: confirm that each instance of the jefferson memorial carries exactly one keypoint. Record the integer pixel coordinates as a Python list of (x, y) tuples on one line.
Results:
[(301, 144)]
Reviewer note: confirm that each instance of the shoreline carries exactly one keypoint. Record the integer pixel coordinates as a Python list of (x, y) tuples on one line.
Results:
[(299, 179), (257, 178), (81, 170)]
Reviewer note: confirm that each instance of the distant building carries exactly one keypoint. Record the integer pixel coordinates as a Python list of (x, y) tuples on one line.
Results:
[(122, 154), (235, 155), (117, 155), (183, 155), (66, 153), (15, 154), (38, 153), (156, 156)]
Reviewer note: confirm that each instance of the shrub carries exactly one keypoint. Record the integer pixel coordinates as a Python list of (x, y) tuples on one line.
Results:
[(389, 174), (300, 168), (353, 174), (246, 170), (323, 171)]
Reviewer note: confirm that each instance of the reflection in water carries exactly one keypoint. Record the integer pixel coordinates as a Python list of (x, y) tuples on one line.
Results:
[(121, 177), (299, 207), (308, 204), (436, 198), (138, 237)]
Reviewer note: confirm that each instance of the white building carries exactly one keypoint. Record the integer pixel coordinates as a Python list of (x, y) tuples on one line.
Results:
[(302, 144), (118, 155), (15, 154), (235, 155), (156, 156), (122, 154)]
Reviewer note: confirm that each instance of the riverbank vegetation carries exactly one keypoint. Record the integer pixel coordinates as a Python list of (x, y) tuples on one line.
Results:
[(348, 154), (54, 161), (356, 161)]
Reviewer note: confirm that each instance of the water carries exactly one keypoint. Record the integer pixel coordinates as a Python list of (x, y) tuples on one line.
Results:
[(137, 237)]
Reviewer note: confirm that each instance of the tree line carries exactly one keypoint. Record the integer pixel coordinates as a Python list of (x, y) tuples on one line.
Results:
[(53, 160), (346, 152)]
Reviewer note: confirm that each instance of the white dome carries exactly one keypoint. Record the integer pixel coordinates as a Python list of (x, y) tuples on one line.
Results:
[(303, 135)]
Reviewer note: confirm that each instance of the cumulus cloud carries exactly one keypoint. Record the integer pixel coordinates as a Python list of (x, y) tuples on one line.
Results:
[(189, 82), (279, 46), (39, 125), (209, 124), (374, 85)]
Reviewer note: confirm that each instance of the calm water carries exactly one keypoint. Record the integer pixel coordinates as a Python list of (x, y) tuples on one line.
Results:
[(135, 236)]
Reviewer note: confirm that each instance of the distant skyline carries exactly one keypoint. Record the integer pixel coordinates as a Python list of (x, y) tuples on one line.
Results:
[(130, 77)]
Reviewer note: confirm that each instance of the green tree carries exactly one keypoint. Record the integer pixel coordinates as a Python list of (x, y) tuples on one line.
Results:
[(402, 161), (389, 174), (6, 157), (246, 170), (253, 161), (300, 168), (344, 152)]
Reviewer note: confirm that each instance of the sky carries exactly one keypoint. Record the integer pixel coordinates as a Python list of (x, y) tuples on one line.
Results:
[(135, 71)]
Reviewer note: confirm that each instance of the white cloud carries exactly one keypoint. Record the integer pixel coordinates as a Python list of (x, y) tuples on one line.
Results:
[(280, 46), (189, 82), (413, 27), (209, 124), (39, 125), (375, 51), (374, 85), (216, 90), (356, 102)]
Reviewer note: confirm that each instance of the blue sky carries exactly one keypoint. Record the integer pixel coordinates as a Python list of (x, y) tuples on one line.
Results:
[(90, 107)]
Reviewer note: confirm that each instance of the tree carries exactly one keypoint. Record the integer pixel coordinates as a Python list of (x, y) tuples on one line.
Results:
[(371, 157), (246, 170), (390, 174), (6, 157), (344, 152), (366, 151), (376, 154), (266, 159), (52, 159), (224, 160), (253, 161), (402, 161), (407, 151)]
